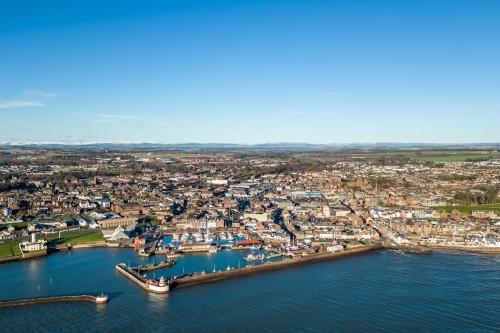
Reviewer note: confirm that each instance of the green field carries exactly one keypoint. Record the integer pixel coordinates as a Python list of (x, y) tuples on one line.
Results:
[(76, 237), (420, 155), (456, 157), (468, 209), (17, 226), (9, 249)]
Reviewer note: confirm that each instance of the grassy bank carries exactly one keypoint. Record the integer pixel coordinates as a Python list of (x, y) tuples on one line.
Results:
[(76, 237), (9, 249)]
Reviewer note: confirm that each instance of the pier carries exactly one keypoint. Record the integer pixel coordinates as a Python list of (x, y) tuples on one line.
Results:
[(159, 286), (102, 299)]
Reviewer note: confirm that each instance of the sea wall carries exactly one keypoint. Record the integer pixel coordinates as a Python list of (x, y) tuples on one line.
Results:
[(89, 245), (468, 249), (11, 258), (50, 299)]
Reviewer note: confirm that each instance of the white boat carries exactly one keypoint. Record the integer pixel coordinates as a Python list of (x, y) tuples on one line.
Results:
[(252, 257)]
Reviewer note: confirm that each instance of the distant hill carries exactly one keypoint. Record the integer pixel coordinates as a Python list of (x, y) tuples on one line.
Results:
[(263, 146)]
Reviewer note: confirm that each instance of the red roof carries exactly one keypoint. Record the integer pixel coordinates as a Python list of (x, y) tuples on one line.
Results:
[(248, 242)]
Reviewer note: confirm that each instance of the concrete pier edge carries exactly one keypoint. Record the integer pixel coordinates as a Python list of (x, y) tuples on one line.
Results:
[(55, 299)]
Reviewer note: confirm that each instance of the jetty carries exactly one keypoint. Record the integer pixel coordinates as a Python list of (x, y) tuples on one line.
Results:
[(159, 286), (101, 299)]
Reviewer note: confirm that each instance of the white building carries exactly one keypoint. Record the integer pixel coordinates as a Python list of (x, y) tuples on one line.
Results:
[(34, 245)]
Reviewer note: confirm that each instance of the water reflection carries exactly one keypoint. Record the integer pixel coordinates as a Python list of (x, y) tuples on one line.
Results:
[(158, 302)]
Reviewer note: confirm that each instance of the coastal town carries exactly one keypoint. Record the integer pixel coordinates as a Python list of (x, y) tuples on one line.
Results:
[(173, 203)]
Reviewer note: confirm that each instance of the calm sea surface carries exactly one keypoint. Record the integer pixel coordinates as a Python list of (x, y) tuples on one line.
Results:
[(381, 291)]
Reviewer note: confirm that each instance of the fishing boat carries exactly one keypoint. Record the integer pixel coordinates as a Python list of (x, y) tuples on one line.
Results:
[(254, 257)]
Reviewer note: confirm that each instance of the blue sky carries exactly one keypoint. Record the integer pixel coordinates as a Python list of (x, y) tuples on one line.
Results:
[(250, 71)]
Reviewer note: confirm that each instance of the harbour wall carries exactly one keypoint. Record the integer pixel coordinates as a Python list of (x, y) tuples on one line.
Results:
[(89, 245), (24, 256), (11, 258), (50, 299)]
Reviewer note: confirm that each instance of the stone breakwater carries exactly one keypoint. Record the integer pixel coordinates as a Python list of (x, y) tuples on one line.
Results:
[(216, 276), (55, 299)]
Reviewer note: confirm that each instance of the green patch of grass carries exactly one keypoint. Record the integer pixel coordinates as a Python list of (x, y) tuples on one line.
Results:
[(456, 156), (9, 249), (17, 226), (465, 209), (76, 237), (92, 237)]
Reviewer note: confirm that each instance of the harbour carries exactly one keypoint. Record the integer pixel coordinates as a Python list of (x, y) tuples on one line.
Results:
[(454, 291), (162, 286)]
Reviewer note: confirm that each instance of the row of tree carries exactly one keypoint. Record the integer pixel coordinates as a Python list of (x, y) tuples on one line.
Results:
[(486, 195)]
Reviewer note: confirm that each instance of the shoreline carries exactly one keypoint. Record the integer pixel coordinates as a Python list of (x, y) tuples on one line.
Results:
[(424, 249), (459, 249)]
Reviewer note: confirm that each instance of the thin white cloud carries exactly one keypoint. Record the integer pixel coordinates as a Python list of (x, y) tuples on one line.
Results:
[(41, 93), (19, 104)]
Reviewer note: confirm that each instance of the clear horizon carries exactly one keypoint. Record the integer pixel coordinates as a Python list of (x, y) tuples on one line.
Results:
[(250, 72)]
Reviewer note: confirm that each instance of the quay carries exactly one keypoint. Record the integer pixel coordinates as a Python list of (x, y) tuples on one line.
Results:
[(199, 278), (101, 299), (159, 286)]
